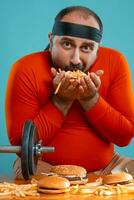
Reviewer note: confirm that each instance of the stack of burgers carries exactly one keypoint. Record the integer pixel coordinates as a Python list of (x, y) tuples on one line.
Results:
[(61, 177)]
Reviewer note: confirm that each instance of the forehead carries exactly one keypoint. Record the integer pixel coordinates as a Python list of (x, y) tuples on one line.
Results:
[(78, 18), (72, 39)]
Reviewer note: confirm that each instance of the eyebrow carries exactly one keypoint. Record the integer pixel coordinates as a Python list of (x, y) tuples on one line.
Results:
[(83, 43), (89, 43), (66, 38)]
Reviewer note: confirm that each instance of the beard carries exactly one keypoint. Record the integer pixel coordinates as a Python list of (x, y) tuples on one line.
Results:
[(70, 67), (73, 67)]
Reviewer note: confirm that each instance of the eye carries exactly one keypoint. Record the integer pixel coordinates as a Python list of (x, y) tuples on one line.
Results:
[(67, 44), (86, 48)]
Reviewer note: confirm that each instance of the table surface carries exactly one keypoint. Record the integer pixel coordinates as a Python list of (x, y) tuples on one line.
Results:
[(68, 196), (65, 196)]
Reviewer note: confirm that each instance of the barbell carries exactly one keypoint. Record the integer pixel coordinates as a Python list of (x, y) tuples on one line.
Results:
[(30, 150)]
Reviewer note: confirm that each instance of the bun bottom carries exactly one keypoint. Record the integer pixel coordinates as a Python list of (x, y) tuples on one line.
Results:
[(79, 182), (53, 191)]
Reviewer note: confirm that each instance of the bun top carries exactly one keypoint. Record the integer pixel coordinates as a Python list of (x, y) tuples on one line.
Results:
[(69, 170), (120, 177), (53, 182)]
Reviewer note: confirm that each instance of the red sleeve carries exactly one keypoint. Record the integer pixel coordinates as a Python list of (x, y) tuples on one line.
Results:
[(113, 118), (22, 104)]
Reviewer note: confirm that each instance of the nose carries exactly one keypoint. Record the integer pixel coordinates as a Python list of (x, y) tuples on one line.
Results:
[(75, 59)]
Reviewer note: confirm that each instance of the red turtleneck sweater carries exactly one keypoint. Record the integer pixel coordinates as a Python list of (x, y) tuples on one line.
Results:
[(81, 138)]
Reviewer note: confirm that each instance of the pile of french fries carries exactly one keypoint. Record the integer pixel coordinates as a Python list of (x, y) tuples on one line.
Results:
[(100, 189), (7, 189), (73, 75)]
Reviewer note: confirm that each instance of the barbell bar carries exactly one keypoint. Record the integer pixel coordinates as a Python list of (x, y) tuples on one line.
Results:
[(17, 149), (30, 150)]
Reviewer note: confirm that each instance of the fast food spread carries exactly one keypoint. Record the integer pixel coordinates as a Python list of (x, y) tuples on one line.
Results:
[(72, 179), (111, 184)]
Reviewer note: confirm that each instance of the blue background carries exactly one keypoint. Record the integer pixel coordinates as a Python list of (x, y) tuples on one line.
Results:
[(24, 26)]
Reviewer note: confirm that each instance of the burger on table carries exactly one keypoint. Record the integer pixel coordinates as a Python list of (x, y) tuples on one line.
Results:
[(61, 177)]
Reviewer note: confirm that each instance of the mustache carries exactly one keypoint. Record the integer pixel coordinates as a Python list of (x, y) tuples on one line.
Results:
[(73, 67)]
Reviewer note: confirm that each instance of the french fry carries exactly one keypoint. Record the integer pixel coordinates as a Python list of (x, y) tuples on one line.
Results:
[(24, 190), (97, 188), (58, 87), (74, 189), (73, 75)]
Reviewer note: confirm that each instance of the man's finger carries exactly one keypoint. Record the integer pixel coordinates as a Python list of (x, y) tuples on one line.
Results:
[(54, 72), (96, 79), (99, 72)]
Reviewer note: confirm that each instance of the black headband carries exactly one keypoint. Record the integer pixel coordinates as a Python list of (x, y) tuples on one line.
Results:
[(77, 30)]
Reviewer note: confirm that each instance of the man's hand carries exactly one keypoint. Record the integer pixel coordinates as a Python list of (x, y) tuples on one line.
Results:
[(68, 89), (66, 93), (85, 90), (88, 89), (89, 85)]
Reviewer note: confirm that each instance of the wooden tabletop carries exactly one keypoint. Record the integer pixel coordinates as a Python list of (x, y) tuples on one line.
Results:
[(66, 196), (72, 197)]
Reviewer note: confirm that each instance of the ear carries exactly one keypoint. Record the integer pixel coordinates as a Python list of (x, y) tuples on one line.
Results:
[(50, 40)]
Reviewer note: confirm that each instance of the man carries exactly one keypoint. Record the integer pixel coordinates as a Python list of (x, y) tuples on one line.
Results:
[(85, 117)]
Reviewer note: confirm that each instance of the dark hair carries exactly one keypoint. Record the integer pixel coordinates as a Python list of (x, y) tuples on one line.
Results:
[(84, 11)]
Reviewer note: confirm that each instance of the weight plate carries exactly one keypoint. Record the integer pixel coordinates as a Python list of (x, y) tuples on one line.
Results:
[(25, 150), (32, 158)]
